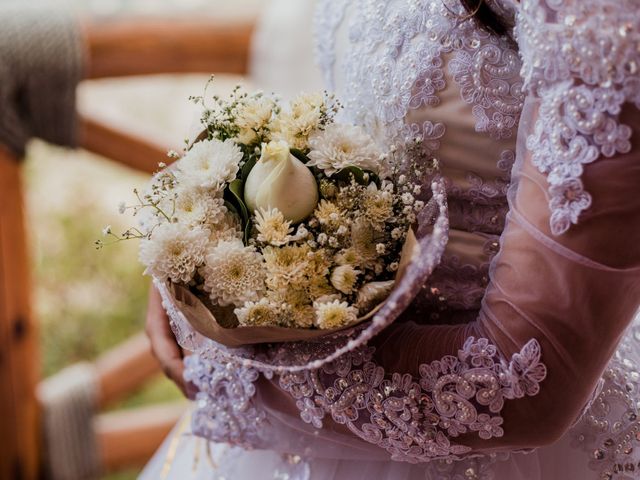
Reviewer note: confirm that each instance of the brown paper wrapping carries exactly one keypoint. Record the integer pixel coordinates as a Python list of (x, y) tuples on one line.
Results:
[(221, 325)]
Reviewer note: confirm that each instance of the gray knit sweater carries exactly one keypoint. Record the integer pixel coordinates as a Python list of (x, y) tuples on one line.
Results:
[(41, 63)]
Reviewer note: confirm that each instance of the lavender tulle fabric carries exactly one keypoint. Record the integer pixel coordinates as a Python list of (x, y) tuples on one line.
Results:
[(514, 329)]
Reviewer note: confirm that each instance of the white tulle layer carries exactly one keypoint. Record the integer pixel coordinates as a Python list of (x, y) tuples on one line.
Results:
[(186, 457)]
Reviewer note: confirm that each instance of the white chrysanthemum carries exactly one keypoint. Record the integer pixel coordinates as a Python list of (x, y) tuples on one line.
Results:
[(263, 313), (252, 116), (344, 278), (272, 227), (174, 252), (334, 314), (210, 164), (196, 206), (227, 228), (233, 274), (296, 125), (339, 146), (286, 264)]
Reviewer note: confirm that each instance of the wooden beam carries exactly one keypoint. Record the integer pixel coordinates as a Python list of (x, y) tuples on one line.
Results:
[(124, 368), (19, 360), (129, 438), (121, 146), (136, 47)]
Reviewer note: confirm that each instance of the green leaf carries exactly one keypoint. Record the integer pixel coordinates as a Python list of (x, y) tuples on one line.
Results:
[(232, 208), (234, 194), (363, 177), (247, 167), (247, 231), (299, 154)]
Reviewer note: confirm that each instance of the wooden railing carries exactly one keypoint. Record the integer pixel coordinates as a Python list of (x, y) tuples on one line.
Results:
[(115, 48)]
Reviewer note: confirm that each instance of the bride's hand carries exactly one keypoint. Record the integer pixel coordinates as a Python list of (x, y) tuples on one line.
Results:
[(163, 343)]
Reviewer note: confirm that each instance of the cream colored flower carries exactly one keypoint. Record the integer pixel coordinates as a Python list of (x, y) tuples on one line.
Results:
[(319, 287), (339, 146), (252, 117), (363, 241), (210, 164), (272, 227), (302, 316), (344, 278), (279, 180), (196, 206), (174, 252), (295, 126), (286, 265), (377, 205), (233, 274), (228, 227), (329, 214), (347, 256), (328, 189), (334, 314), (263, 313)]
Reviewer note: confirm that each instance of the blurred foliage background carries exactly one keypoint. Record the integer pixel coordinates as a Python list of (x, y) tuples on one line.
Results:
[(87, 300)]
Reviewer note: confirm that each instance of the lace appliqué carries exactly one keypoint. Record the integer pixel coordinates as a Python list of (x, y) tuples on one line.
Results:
[(581, 59), (225, 408), (415, 419), (226, 411), (609, 430), (396, 63)]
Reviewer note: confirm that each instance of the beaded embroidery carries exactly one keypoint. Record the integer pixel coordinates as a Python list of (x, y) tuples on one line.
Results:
[(415, 419), (581, 60)]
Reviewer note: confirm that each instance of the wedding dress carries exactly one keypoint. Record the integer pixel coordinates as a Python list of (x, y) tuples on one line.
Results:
[(509, 350)]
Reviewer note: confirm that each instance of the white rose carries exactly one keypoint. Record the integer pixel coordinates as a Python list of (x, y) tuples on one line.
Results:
[(279, 180)]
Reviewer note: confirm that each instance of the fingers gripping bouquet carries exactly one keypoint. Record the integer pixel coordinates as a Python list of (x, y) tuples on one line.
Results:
[(277, 223)]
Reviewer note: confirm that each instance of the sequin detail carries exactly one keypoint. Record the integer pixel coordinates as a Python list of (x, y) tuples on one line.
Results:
[(609, 429), (415, 419)]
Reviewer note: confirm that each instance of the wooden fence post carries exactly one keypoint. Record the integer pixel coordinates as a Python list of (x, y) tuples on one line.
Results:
[(19, 359)]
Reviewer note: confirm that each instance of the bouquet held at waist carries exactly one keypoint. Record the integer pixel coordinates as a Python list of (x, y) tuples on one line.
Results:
[(277, 223)]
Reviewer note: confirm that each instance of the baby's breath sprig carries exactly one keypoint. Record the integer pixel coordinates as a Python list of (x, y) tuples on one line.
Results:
[(128, 234)]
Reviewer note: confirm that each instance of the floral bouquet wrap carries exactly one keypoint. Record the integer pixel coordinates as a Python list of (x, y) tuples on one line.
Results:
[(278, 223)]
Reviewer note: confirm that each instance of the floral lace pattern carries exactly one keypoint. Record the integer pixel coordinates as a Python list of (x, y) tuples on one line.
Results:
[(415, 420), (226, 412), (581, 59), (609, 430), (398, 49)]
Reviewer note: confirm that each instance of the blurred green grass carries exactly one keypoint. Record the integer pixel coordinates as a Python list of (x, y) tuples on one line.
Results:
[(86, 300)]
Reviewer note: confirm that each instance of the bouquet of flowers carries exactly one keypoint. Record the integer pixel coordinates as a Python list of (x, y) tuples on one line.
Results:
[(276, 223)]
